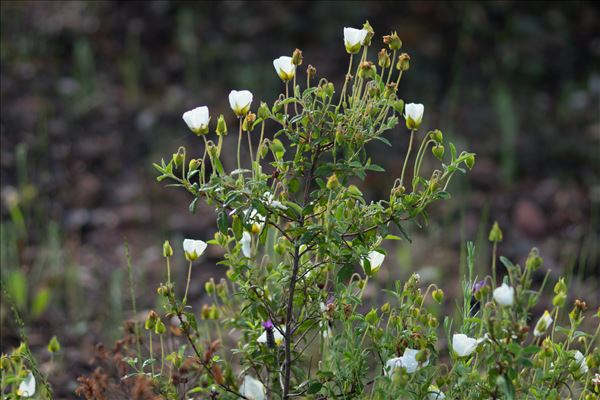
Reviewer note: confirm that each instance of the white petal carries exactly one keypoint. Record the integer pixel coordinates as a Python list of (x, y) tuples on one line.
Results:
[(408, 361), (504, 295), (246, 243), (463, 345), (284, 63), (414, 111), (196, 118), (252, 388), (195, 248), (580, 358), (354, 36), (27, 386), (376, 260)]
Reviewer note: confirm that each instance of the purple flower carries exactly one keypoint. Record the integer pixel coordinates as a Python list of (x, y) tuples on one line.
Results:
[(478, 286), (268, 325)]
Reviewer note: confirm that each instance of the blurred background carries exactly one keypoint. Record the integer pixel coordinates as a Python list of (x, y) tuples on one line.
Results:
[(92, 94)]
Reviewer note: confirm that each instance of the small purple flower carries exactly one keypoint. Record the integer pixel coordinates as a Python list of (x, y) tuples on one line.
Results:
[(268, 325), (478, 286)]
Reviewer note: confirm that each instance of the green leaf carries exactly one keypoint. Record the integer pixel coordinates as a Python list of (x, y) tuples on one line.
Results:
[(375, 168), (392, 237), (193, 205), (222, 222), (16, 286), (40, 302), (506, 262), (506, 386), (314, 387)]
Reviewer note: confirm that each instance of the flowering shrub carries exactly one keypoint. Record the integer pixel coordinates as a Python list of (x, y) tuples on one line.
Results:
[(301, 243)]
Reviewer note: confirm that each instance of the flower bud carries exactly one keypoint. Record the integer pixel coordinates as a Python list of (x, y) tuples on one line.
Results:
[(559, 300), (151, 320), (162, 290), (385, 308), (534, 261), (167, 249), (160, 327), (277, 148), (470, 161), (370, 33), (193, 164), (209, 287), (221, 126), (422, 356), (438, 295), (178, 157), (437, 135), (390, 89), (374, 92), (438, 151), (560, 287), (329, 89), (53, 345), (372, 317), (383, 59), (311, 71), (248, 121), (367, 70), (297, 57), (214, 312), (403, 63), (495, 235), (393, 41), (222, 288), (205, 312), (432, 321), (398, 106), (263, 111), (333, 182)]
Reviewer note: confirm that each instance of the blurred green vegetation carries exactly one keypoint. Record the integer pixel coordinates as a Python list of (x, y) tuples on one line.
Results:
[(92, 94)]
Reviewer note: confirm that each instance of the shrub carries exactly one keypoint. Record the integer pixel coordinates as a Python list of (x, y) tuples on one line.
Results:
[(301, 242)]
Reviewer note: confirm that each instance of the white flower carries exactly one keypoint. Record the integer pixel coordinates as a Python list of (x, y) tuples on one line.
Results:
[(197, 120), (375, 260), (277, 336), (543, 323), (413, 113), (246, 243), (463, 345), (285, 68), (434, 393), (580, 358), (408, 361), (268, 198), (354, 39), (257, 220), (240, 102), (27, 386), (193, 249), (504, 295), (253, 389)]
